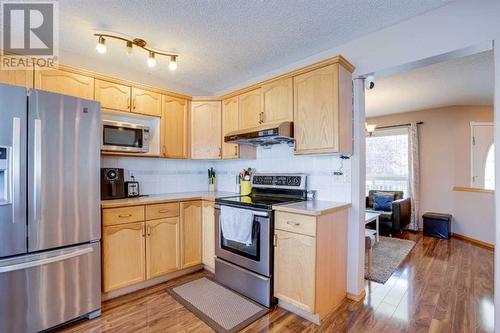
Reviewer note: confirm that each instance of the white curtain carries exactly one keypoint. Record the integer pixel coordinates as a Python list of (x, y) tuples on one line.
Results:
[(414, 173)]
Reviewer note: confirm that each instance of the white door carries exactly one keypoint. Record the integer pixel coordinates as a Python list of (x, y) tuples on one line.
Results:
[(481, 158)]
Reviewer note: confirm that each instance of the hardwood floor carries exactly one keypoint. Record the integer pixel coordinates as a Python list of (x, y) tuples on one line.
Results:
[(442, 286)]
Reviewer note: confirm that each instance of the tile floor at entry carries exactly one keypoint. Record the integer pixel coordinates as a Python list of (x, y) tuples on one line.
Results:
[(442, 286)]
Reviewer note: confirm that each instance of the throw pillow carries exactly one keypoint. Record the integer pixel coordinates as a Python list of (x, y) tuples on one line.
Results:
[(382, 201)]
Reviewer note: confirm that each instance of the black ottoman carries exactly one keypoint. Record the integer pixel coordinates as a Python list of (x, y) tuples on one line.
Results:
[(437, 225)]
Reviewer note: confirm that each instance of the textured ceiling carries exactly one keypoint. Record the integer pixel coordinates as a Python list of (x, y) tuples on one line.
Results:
[(224, 42), (464, 81)]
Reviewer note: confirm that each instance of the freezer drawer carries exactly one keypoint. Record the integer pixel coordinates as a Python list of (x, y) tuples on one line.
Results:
[(46, 289)]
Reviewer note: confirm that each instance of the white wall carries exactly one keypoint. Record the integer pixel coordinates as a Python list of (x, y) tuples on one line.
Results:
[(280, 158), (158, 176), (474, 215)]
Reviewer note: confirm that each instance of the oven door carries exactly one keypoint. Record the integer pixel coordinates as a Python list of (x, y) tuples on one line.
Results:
[(117, 136), (255, 257)]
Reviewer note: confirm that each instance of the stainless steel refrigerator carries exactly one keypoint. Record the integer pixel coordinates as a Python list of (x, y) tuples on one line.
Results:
[(50, 226)]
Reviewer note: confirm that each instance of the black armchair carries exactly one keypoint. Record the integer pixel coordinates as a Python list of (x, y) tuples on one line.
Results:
[(398, 217)]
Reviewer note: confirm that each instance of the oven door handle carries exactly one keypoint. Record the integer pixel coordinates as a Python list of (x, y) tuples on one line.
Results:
[(255, 212)]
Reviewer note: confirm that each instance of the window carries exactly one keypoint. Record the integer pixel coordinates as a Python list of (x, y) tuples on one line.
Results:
[(387, 161), (489, 169)]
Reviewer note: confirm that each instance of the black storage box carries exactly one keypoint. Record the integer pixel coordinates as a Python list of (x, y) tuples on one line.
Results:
[(437, 225)]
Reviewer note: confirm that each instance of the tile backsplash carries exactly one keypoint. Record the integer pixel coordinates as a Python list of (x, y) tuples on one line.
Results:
[(169, 176)]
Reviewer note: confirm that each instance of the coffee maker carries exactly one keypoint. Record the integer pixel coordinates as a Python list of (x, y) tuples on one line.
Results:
[(112, 183)]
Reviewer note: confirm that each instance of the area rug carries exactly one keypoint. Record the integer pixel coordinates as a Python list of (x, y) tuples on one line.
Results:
[(387, 254), (220, 308)]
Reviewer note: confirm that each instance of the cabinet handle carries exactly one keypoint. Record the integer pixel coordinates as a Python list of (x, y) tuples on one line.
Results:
[(134, 102), (260, 118), (128, 215), (164, 211), (235, 150), (293, 223), (143, 232), (148, 230), (128, 103), (220, 152)]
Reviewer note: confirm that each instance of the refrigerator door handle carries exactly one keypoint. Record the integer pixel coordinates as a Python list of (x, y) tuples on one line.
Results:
[(37, 162), (45, 261), (15, 168)]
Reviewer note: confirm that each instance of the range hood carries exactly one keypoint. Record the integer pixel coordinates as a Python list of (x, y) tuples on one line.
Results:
[(264, 135)]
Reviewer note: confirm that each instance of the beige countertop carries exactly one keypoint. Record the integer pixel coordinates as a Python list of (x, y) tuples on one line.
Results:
[(159, 198), (312, 207)]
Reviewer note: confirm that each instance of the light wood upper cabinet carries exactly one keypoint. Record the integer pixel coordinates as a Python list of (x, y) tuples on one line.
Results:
[(250, 109), (208, 234), (206, 130), (174, 127), (65, 82), (123, 255), (191, 219), (294, 266), (113, 96), (146, 102), (322, 111), (162, 246), (277, 101), (230, 121), (22, 78)]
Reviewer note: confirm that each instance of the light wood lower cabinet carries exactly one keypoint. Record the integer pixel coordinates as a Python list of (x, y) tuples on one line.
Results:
[(162, 246), (123, 255), (191, 215), (310, 269), (208, 211)]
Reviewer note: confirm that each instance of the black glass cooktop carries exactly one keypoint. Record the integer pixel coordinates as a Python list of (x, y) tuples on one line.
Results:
[(258, 201)]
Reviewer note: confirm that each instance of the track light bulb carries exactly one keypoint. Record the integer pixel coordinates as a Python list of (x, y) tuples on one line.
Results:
[(128, 49), (173, 63), (151, 59), (101, 45)]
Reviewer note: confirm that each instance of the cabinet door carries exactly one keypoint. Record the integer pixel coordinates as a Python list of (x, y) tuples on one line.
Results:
[(174, 127), (113, 95), (277, 101), (146, 102), (123, 255), (294, 269), (162, 246), (65, 82), (208, 234), (316, 111), (191, 233), (206, 130), (250, 109), (22, 78), (229, 124)]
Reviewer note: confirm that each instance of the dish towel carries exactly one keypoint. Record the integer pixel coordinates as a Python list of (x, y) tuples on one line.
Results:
[(236, 224)]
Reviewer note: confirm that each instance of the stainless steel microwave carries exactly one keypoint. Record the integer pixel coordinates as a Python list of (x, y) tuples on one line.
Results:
[(124, 137)]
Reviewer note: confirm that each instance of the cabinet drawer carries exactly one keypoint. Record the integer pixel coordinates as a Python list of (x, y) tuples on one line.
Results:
[(113, 216), (161, 211), (300, 224)]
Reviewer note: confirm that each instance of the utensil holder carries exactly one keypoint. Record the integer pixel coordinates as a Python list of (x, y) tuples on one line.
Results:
[(212, 186), (245, 187)]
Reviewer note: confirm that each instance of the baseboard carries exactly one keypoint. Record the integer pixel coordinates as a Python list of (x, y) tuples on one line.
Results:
[(474, 241), (358, 297), (314, 318), (149, 283)]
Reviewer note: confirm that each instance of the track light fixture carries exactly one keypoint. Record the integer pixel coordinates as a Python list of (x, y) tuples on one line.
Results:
[(130, 43)]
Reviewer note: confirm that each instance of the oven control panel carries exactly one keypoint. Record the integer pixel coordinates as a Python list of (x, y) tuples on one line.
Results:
[(295, 181)]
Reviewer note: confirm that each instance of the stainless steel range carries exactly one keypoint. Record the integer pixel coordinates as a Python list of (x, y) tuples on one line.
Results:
[(247, 267)]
